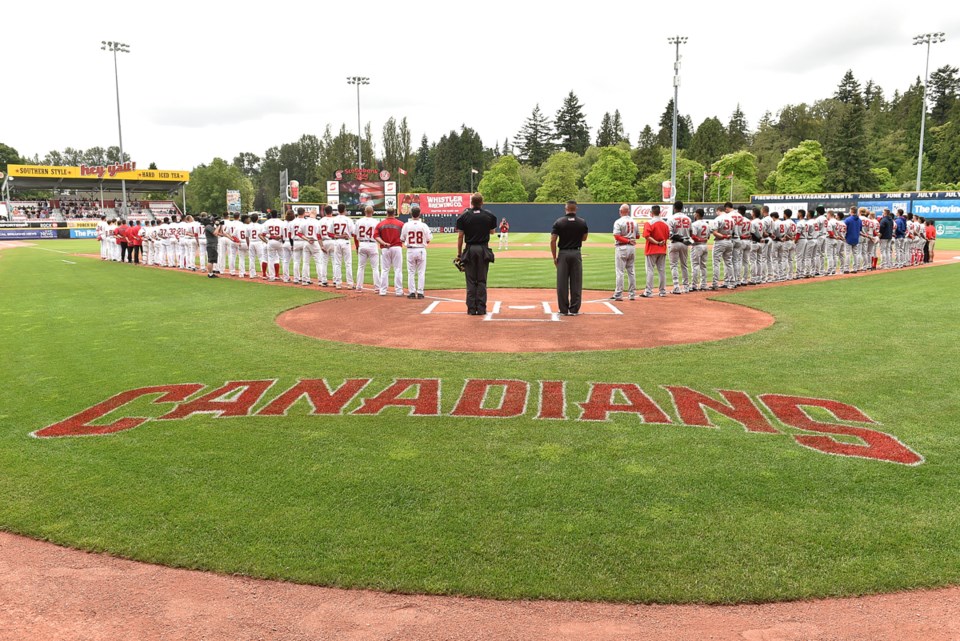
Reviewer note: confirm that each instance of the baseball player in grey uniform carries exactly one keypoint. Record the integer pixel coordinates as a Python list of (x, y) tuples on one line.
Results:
[(756, 247), (678, 252), (766, 271), (624, 260), (801, 243), (723, 228), (699, 234), (819, 252)]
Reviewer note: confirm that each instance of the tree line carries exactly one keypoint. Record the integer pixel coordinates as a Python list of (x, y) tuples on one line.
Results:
[(858, 139)]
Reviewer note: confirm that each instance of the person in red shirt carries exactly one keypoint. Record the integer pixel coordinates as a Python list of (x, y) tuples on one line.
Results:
[(134, 241), (930, 232), (121, 236), (387, 235), (656, 233)]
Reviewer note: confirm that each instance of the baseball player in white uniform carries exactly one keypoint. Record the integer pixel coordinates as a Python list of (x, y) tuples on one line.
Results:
[(310, 233), (342, 252), (744, 244), (416, 236), (166, 243), (326, 245), (258, 248), (778, 230), (299, 241), (678, 251), (102, 237), (699, 234), (756, 247), (275, 231), (190, 243), (723, 229), (367, 249), (625, 257)]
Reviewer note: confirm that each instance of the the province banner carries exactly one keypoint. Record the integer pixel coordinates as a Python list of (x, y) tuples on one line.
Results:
[(435, 204)]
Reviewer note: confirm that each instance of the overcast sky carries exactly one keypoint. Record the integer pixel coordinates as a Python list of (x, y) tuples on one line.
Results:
[(213, 80)]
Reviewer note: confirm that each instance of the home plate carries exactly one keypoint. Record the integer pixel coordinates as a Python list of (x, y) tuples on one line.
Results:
[(521, 306)]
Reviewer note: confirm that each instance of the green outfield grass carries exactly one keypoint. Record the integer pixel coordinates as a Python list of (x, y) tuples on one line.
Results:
[(616, 510)]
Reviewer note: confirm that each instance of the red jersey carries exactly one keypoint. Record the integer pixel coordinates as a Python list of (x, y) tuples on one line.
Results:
[(121, 234), (656, 229), (133, 236), (931, 232), (388, 230), (504, 227)]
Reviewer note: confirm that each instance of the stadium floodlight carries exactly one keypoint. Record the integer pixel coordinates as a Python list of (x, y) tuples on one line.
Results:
[(114, 47), (358, 80), (925, 39), (676, 41)]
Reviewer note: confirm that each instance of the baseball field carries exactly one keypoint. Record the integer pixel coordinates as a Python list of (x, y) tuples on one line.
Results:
[(817, 456)]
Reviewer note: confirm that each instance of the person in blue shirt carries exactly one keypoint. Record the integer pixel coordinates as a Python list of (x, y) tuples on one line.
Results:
[(886, 240), (852, 238), (900, 239)]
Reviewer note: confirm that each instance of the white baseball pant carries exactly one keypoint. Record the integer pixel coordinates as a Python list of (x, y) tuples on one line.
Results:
[(416, 269), (368, 253), (391, 259)]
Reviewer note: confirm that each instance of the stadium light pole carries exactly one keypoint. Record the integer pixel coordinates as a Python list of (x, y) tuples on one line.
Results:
[(358, 80), (109, 45), (925, 39), (677, 41)]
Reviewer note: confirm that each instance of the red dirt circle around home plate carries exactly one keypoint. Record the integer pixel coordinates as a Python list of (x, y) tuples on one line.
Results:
[(524, 320)]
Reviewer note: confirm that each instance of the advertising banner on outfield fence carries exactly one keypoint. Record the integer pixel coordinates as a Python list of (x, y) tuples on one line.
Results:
[(937, 208), (27, 234), (81, 224), (948, 228), (435, 204), (233, 201), (83, 233)]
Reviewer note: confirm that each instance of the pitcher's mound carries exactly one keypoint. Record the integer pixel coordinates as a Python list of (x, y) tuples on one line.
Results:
[(522, 320)]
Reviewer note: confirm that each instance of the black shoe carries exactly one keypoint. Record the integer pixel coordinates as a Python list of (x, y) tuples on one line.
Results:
[(419, 295), (212, 276), (412, 295)]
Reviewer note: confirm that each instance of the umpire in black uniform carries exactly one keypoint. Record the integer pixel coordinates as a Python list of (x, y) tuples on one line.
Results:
[(569, 233), (474, 226)]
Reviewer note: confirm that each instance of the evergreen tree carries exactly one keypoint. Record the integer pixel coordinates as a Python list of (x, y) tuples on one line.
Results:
[(571, 124), (738, 133), (505, 150), (709, 142), (535, 139), (849, 164), (617, 125), (606, 136), (944, 90), (648, 156), (665, 135), (849, 90), (423, 173)]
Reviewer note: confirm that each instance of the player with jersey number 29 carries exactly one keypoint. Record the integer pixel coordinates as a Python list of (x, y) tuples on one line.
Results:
[(416, 235)]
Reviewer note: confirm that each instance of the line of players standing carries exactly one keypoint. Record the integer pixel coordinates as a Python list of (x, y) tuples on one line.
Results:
[(765, 247), (283, 249)]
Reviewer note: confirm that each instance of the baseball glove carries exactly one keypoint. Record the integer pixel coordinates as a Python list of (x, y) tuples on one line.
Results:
[(458, 263)]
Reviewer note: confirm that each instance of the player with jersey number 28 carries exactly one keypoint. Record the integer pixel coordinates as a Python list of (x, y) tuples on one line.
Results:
[(416, 235)]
